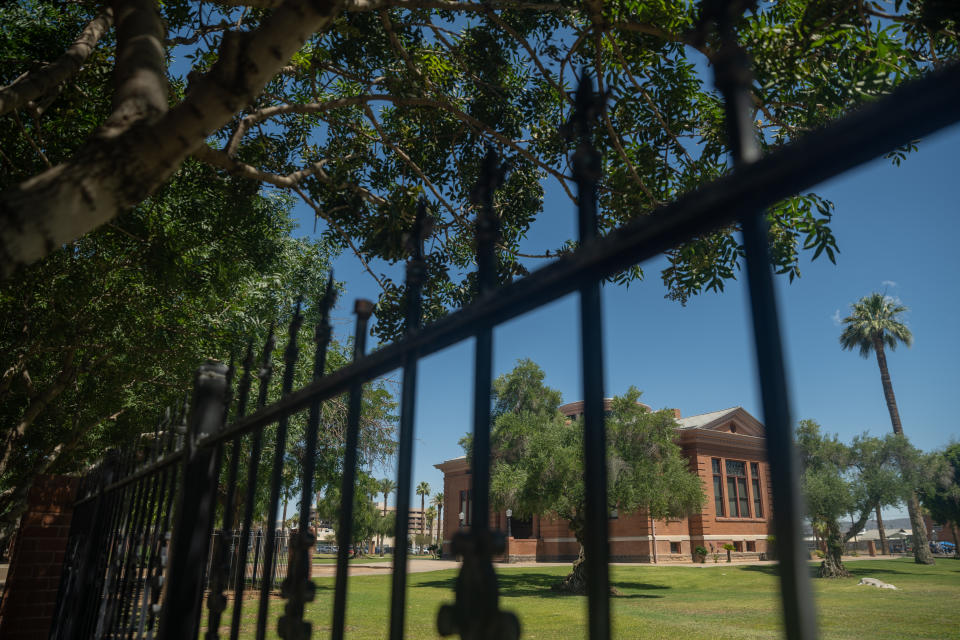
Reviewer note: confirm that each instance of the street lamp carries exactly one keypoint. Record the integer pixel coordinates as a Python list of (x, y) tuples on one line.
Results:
[(462, 517), (509, 515)]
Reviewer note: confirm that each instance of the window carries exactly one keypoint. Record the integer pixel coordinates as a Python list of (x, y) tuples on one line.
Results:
[(737, 496), (674, 547), (751, 545), (757, 496), (717, 488), (614, 514), (738, 546), (465, 507)]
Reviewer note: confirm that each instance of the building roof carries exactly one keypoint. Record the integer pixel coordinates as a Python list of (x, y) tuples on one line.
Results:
[(703, 419)]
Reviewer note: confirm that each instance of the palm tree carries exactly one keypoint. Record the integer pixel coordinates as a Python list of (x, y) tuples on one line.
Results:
[(430, 515), (873, 325), (423, 490), (386, 486), (437, 501)]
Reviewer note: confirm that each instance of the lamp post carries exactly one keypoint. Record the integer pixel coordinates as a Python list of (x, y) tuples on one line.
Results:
[(462, 517), (509, 515)]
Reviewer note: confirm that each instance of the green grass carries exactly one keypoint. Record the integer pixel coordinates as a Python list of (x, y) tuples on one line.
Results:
[(708, 602)]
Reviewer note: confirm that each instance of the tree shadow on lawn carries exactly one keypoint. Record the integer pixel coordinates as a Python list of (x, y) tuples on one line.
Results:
[(540, 585), (856, 569)]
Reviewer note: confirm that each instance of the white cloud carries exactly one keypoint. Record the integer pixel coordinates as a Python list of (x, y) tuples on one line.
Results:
[(837, 318), (889, 283)]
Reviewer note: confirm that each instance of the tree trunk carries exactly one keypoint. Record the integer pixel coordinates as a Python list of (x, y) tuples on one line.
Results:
[(921, 550), (956, 541), (921, 547), (383, 536), (883, 534), (832, 565), (576, 581), (887, 386)]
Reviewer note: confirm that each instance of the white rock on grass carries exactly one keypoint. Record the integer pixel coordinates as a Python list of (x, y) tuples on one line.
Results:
[(873, 582)]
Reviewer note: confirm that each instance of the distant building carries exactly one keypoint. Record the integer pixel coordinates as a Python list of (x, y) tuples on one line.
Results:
[(725, 448), (415, 521)]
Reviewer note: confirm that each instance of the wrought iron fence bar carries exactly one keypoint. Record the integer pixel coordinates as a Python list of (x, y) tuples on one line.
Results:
[(363, 309), (195, 509), (587, 171), (112, 558), (135, 551), (165, 461), (798, 609), (96, 597), (298, 588), (415, 275), (89, 554), (223, 550), (915, 110), (291, 354), (734, 79), (487, 233), (256, 450), (153, 569)]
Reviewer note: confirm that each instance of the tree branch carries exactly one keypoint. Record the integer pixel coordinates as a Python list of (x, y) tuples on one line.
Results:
[(409, 162), (110, 174), (140, 73), (223, 161), (38, 83), (37, 404), (318, 210)]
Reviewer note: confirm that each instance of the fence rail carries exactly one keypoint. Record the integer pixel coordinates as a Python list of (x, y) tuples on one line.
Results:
[(144, 557)]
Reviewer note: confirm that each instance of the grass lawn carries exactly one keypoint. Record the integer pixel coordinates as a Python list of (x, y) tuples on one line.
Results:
[(709, 602)]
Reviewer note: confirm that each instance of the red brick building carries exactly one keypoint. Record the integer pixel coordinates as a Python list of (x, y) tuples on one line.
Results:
[(725, 448)]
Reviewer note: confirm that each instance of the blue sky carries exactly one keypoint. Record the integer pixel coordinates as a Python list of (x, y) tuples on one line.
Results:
[(895, 228)]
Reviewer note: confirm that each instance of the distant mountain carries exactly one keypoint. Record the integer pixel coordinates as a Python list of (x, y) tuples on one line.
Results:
[(888, 525), (892, 523)]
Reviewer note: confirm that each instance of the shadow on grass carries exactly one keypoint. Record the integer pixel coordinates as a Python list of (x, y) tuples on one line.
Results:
[(856, 569), (539, 585)]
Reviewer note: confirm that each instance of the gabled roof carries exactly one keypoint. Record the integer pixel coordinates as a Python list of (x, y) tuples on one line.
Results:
[(700, 421), (732, 420)]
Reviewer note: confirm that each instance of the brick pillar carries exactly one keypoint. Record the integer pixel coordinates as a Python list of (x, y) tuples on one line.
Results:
[(36, 560)]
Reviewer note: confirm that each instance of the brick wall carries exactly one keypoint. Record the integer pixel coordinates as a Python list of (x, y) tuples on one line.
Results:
[(36, 560)]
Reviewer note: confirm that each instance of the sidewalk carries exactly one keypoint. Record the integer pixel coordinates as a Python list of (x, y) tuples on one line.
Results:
[(424, 565)]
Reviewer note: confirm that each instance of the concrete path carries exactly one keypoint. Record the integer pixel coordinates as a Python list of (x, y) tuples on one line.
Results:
[(419, 565)]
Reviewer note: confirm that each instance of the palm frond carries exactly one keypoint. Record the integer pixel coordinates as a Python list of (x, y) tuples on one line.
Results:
[(875, 317)]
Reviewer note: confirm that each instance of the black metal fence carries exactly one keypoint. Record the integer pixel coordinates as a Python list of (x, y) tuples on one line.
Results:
[(254, 568), (140, 558)]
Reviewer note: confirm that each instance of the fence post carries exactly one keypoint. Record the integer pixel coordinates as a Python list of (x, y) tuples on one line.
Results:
[(195, 510)]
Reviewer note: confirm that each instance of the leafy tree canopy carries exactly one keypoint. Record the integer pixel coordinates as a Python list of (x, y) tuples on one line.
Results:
[(942, 497), (537, 459), (367, 519), (840, 480), (358, 107), (105, 332)]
